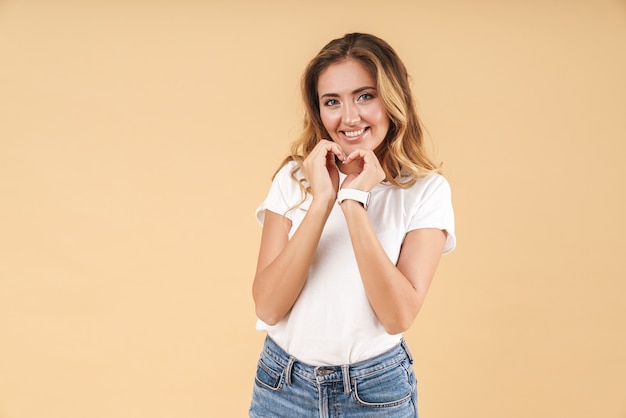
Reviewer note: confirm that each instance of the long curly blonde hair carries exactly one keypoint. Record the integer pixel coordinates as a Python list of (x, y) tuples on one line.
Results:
[(402, 153)]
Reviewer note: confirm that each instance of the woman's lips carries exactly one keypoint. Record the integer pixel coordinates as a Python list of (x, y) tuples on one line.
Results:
[(354, 135)]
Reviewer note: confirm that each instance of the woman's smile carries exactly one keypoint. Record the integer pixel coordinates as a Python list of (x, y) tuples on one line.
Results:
[(353, 135)]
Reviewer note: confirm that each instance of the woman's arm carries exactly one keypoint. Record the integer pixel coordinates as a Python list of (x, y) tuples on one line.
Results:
[(283, 263), (396, 292)]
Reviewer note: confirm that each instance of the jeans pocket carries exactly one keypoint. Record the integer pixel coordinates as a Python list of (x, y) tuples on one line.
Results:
[(269, 374), (386, 388)]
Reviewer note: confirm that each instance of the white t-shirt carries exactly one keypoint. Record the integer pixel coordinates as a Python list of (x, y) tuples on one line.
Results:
[(332, 322)]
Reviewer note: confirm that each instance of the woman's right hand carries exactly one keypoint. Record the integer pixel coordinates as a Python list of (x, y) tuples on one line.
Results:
[(321, 171)]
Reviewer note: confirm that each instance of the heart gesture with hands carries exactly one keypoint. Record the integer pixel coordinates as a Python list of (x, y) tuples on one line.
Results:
[(363, 170), (320, 169)]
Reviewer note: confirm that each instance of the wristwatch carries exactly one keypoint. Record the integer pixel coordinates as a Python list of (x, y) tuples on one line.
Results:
[(354, 194)]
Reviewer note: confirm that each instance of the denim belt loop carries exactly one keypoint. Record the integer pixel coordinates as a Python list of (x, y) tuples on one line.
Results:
[(345, 371), (407, 350), (289, 369)]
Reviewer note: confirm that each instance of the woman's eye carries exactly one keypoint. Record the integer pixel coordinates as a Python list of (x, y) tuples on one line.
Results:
[(331, 102), (366, 96)]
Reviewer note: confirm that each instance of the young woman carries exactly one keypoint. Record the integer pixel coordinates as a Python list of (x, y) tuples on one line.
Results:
[(354, 225)]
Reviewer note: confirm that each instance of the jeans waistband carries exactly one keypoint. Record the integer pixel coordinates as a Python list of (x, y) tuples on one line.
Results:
[(323, 374)]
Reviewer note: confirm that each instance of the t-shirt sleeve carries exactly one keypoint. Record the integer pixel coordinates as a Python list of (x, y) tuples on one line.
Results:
[(283, 195), (434, 210)]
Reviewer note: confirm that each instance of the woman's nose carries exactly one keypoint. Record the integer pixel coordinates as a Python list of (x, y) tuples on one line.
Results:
[(351, 114)]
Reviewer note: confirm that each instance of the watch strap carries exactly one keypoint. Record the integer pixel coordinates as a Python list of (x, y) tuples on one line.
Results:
[(354, 194)]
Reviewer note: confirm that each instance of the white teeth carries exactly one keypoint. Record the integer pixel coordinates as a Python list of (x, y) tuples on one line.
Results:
[(354, 133)]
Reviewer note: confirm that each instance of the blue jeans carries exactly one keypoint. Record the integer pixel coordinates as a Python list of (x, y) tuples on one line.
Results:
[(383, 386)]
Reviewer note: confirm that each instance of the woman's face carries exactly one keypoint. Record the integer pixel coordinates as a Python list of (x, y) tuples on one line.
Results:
[(350, 107)]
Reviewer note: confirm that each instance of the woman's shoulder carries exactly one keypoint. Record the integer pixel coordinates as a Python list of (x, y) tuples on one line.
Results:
[(286, 170), (288, 178), (429, 187), (433, 180), (427, 181)]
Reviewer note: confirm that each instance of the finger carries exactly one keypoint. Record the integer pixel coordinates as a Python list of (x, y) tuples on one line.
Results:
[(332, 147), (358, 154)]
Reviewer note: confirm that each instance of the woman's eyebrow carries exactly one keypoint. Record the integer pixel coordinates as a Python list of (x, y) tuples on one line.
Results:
[(357, 91)]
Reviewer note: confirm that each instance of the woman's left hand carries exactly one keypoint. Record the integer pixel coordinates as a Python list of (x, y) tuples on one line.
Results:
[(367, 171)]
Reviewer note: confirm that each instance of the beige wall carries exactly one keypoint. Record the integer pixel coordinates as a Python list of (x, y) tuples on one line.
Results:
[(137, 138)]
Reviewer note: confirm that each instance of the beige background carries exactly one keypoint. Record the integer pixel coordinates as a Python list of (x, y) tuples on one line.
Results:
[(137, 138)]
